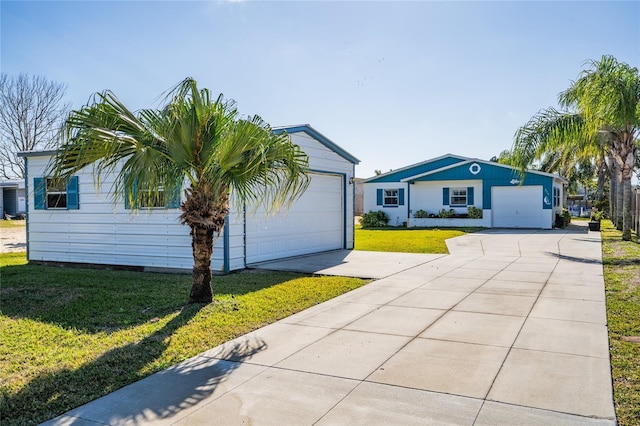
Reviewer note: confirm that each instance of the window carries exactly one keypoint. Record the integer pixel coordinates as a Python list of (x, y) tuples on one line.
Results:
[(556, 197), (390, 197), (56, 194), (147, 199), (458, 197)]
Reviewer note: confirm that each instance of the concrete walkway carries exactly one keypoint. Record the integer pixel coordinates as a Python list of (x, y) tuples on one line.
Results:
[(510, 329)]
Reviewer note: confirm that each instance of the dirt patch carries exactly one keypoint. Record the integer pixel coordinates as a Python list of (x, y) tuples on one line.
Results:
[(13, 238)]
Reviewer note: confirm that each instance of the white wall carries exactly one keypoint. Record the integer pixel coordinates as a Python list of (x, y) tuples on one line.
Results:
[(397, 215), (104, 232), (428, 195), (324, 159)]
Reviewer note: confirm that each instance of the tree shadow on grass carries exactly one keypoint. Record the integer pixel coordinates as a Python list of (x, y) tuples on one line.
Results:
[(162, 395), (101, 300)]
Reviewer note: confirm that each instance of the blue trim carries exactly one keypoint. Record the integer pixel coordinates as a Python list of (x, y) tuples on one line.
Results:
[(344, 211), (226, 250), (401, 196), (445, 197), (305, 128), (379, 197)]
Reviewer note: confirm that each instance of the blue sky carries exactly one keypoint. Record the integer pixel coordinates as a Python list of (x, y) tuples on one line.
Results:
[(393, 83)]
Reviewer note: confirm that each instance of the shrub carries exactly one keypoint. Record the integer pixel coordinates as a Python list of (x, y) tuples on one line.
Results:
[(474, 212), (420, 214), (447, 213), (373, 219), (566, 216)]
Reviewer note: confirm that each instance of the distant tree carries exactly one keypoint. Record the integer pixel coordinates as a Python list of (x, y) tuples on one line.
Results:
[(377, 172), (31, 115), (503, 158)]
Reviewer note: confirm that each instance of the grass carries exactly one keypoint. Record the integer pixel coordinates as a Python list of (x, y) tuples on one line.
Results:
[(621, 260), (68, 336), (406, 240), (6, 224)]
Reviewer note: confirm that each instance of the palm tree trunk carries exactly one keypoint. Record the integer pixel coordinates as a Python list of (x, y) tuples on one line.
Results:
[(626, 213), (613, 187), (202, 245), (619, 201)]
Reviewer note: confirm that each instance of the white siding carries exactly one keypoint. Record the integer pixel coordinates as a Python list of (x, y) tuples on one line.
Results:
[(397, 215), (428, 195), (104, 232)]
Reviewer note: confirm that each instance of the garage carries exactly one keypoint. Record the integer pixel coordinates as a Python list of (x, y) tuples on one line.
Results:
[(312, 224), (517, 207)]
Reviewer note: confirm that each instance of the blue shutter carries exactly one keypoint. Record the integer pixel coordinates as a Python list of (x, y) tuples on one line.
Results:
[(39, 193), (401, 197), (73, 199), (470, 196), (379, 197), (445, 196)]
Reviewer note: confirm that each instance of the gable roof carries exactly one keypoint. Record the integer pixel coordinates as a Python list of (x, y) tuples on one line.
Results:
[(306, 128), (471, 161), (418, 168), (277, 130)]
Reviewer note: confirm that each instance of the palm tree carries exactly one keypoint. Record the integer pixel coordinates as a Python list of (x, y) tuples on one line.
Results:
[(602, 115), (195, 139)]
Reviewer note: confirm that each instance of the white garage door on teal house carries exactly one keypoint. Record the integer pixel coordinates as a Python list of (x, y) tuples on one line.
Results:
[(517, 207)]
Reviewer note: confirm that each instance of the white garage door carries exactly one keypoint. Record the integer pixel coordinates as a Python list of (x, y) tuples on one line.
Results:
[(517, 207), (314, 223)]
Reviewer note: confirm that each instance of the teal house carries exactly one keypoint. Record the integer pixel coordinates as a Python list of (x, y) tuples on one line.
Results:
[(452, 190)]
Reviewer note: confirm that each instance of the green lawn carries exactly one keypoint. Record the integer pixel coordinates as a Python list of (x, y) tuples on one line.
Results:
[(68, 336), (4, 224), (622, 283), (406, 240)]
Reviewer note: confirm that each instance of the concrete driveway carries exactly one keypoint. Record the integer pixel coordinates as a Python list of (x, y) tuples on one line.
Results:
[(510, 329)]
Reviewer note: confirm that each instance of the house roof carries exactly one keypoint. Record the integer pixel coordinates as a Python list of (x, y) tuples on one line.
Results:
[(306, 128), (471, 161), (277, 130), (417, 168)]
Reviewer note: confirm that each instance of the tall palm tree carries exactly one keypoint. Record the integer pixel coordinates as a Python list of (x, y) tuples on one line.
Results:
[(197, 140), (601, 107)]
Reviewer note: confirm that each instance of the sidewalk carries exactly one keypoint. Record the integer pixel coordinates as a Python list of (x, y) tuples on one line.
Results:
[(508, 329)]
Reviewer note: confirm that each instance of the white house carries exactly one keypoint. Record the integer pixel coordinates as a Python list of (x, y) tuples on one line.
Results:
[(12, 197), (506, 198), (79, 223)]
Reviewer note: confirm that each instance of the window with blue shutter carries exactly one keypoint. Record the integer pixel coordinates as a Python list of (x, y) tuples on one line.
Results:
[(52, 194)]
